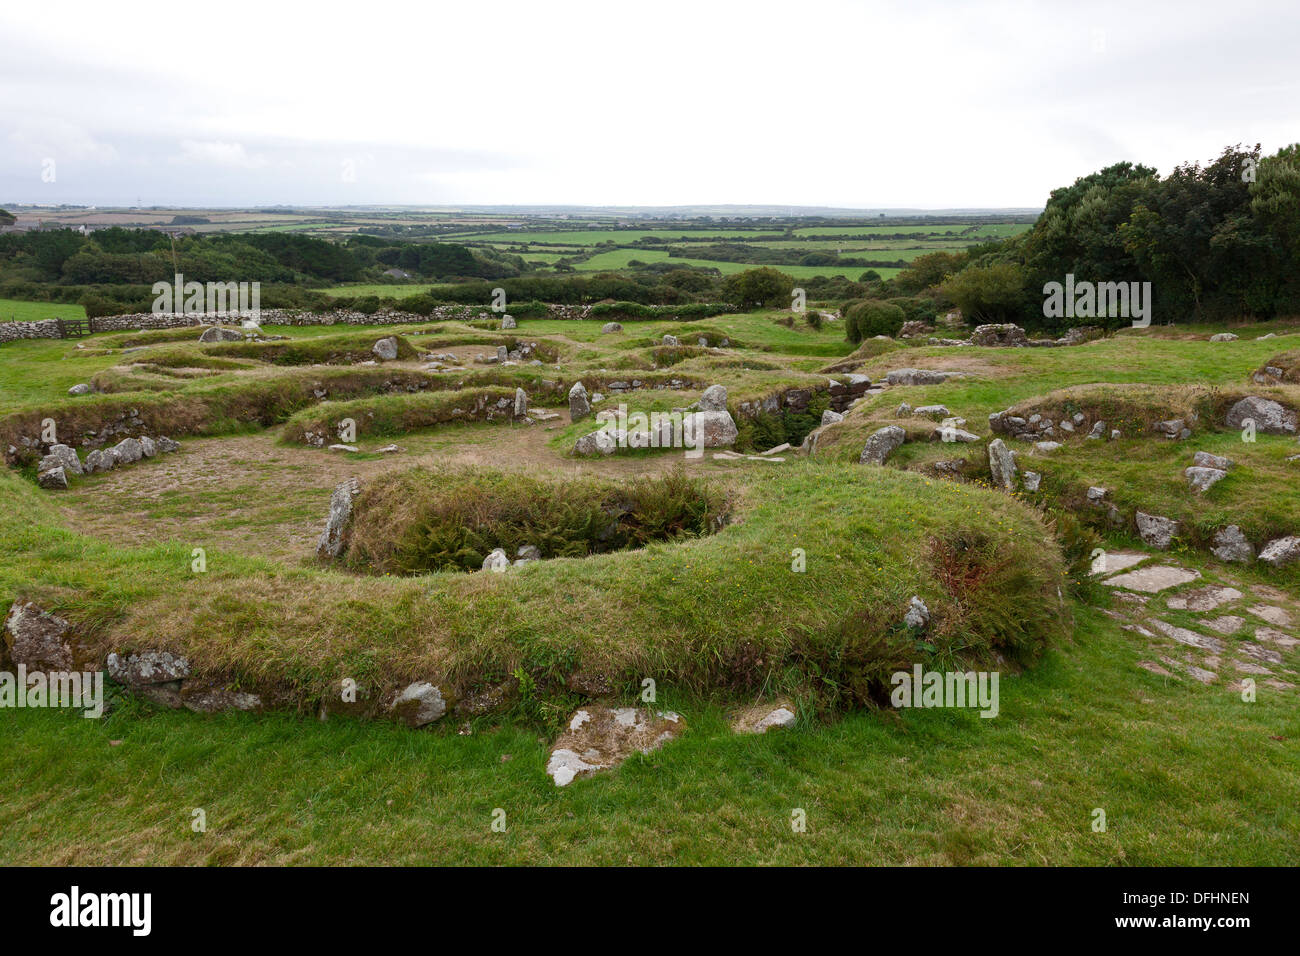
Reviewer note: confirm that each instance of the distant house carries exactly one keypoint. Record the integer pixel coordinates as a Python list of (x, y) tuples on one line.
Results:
[(397, 273)]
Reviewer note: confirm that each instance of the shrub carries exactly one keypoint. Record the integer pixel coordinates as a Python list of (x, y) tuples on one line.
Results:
[(97, 305), (994, 293), (870, 318), (916, 308)]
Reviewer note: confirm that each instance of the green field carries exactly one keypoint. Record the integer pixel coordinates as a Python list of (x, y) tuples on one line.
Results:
[(947, 237), (12, 310), (939, 230), (1187, 774), (1188, 777), (592, 237), (380, 289), (619, 259)]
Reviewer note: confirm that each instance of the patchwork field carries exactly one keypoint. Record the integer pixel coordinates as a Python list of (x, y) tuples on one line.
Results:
[(740, 581)]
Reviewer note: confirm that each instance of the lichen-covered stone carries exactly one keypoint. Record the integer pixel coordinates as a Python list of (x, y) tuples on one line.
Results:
[(1281, 551), (1156, 531), (881, 444), (598, 738), (42, 641), (579, 404), (147, 667), (1002, 465), (333, 537), (418, 704)]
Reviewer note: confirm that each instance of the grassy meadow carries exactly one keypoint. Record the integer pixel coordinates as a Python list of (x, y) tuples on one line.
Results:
[(1187, 773), (15, 310)]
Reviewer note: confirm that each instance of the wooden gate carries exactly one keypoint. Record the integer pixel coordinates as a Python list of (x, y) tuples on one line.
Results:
[(75, 328)]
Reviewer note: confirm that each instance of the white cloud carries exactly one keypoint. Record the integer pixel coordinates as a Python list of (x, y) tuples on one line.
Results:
[(216, 153), (924, 103), (52, 137)]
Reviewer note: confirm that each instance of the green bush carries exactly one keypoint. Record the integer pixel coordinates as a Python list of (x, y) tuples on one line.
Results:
[(97, 305), (993, 293), (870, 318), (916, 308)]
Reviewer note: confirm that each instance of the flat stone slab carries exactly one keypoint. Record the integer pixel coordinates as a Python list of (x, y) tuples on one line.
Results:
[(600, 737), (1154, 579), (1197, 673), (1109, 562), (761, 718), (1274, 615), (1280, 638), (1204, 599), (1226, 623), (1154, 668), (1246, 667), (1260, 652), (1128, 598), (1183, 636)]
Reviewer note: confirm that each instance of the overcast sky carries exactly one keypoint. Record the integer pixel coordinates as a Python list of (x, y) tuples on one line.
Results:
[(861, 104)]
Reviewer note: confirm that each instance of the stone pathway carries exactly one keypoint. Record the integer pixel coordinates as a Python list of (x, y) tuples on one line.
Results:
[(1253, 626)]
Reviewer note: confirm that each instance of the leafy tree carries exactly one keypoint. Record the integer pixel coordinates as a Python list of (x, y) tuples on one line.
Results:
[(927, 271), (990, 293), (1194, 236), (758, 288)]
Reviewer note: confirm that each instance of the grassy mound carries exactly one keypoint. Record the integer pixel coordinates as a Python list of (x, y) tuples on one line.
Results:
[(1135, 408), (323, 350), (725, 612), (869, 349), (392, 415), (206, 408), (1287, 362), (157, 359), (425, 520), (135, 339)]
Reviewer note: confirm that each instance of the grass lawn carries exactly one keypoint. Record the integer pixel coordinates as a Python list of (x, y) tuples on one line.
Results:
[(380, 289), (14, 310), (1187, 776), (36, 371)]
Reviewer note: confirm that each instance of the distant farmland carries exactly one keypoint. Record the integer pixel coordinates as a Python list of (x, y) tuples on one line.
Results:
[(586, 249)]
